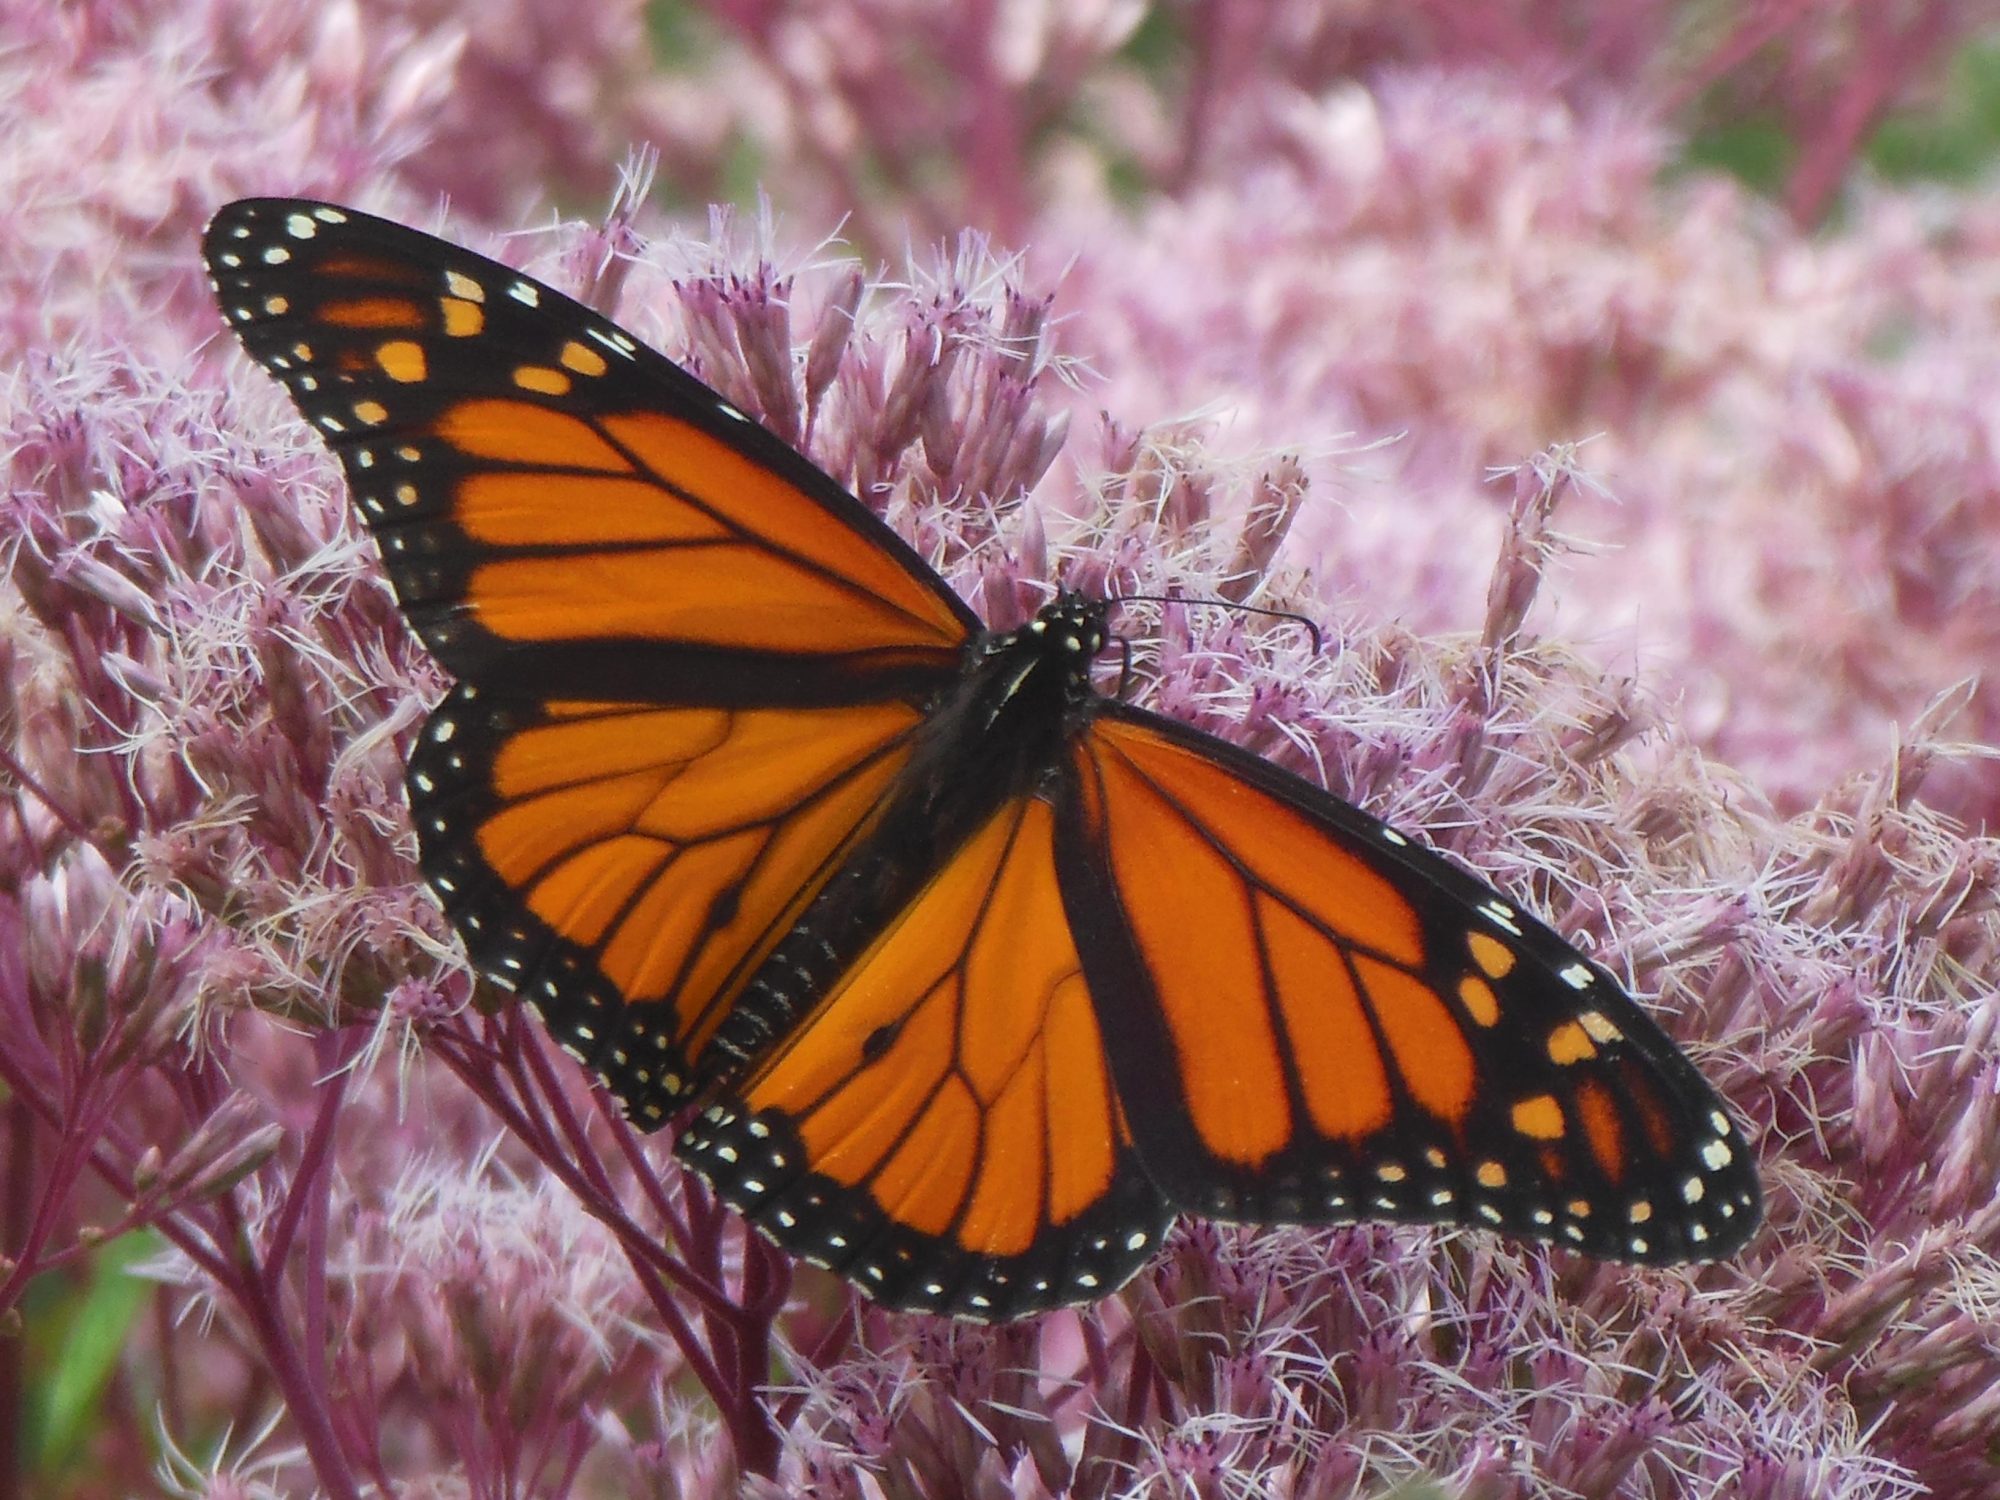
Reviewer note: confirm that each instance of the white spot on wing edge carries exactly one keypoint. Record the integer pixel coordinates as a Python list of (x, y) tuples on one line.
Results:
[(623, 347)]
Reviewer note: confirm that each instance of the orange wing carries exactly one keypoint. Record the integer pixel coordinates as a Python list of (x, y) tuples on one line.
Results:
[(689, 662), (1311, 1020), (943, 1127), (560, 509), (627, 866)]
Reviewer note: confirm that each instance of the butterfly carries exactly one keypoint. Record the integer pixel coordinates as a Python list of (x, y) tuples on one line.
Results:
[(966, 976)]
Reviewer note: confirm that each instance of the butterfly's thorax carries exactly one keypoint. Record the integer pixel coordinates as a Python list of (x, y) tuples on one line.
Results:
[(995, 733), (1000, 727)]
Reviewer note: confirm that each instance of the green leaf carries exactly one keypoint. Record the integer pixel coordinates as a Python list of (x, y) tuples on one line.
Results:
[(1958, 138), (680, 35), (1756, 152), (75, 1342)]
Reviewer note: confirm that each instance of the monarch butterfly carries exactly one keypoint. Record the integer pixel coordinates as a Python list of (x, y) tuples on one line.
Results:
[(973, 976)]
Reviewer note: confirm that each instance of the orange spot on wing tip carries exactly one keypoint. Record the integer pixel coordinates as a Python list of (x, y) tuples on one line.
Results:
[(462, 319), (1539, 1118), (1491, 1175), (1570, 1043), (1494, 958), (1477, 996), (402, 360), (542, 380), (582, 359)]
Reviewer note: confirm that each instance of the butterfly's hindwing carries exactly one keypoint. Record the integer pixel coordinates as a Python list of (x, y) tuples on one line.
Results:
[(943, 1128), (1401, 1041)]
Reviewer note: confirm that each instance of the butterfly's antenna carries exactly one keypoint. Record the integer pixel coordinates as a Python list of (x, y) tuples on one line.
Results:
[(1319, 642)]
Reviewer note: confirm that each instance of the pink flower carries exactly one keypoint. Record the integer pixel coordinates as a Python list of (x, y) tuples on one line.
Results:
[(1242, 302)]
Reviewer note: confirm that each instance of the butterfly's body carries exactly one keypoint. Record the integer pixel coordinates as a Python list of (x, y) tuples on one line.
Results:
[(974, 975), (992, 734)]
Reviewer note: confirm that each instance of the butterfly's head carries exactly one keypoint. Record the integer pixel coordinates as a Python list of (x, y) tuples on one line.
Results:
[(1072, 625)]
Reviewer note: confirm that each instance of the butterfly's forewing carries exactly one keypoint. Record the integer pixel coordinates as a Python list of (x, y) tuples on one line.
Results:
[(1397, 1040), (943, 1128), (688, 660)]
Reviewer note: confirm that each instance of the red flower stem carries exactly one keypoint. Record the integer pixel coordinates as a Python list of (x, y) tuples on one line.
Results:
[(650, 1182), (308, 1179), (302, 1389)]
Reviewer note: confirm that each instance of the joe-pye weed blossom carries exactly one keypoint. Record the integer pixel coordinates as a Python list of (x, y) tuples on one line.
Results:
[(1699, 689)]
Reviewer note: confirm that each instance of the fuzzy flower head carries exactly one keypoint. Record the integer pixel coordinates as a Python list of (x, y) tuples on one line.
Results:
[(1293, 294), (495, 1316)]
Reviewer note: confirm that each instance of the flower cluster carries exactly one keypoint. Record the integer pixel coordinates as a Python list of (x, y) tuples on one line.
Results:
[(1239, 301)]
